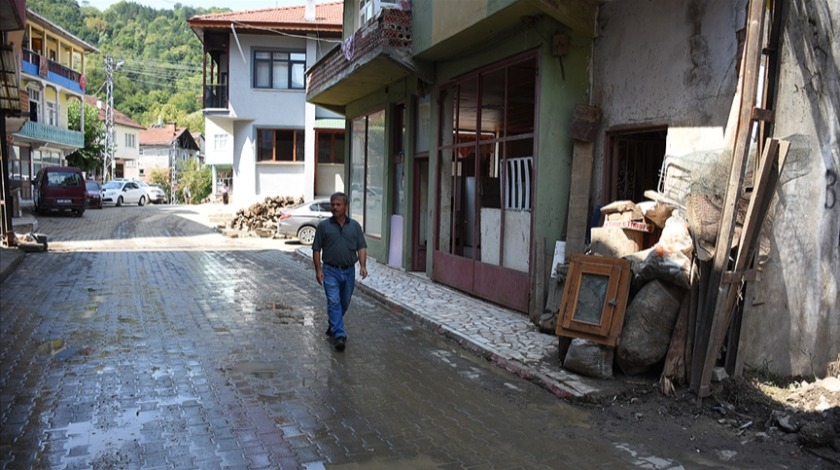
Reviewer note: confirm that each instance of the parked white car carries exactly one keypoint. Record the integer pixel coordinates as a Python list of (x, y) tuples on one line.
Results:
[(123, 192), (154, 193)]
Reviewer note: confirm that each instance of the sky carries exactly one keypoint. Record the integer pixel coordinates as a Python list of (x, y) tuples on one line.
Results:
[(235, 5)]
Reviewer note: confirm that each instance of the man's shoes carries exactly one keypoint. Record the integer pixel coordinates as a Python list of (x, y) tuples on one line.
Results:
[(340, 343), (329, 331)]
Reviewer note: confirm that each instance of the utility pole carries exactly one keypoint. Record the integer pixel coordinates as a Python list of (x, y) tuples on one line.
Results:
[(110, 160)]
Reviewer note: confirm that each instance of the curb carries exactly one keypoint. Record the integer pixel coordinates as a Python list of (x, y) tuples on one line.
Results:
[(10, 258)]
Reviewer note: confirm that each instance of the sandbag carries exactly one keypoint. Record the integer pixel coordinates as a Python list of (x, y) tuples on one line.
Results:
[(649, 321), (590, 359)]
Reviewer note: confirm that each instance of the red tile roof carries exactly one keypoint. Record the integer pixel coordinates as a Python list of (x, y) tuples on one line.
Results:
[(329, 15), (119, 118), (161, 135)]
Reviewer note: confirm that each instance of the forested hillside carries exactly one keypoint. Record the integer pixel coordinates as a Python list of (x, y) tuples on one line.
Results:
[(160, 75)]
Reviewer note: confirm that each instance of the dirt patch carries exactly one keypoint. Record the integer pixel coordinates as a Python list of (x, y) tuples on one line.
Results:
[(745, 421)]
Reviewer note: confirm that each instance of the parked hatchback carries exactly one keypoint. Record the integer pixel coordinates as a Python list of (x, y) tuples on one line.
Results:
[(154, 192), (300, 221), (123, 192), (94, 194), (60, 188)]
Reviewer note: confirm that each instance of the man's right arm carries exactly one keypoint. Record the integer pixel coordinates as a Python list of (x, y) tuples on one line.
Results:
[(319, 272)]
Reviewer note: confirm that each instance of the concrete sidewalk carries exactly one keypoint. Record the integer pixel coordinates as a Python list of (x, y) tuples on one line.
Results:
[(10, 257), (502, 336)]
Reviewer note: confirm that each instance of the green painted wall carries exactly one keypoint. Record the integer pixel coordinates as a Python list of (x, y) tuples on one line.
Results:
[(386, 98)]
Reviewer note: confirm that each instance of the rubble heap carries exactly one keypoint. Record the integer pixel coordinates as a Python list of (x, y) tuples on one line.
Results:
[(262, 217)]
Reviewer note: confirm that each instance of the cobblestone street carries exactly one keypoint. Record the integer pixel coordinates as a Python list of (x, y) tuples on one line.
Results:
[(143, 339)]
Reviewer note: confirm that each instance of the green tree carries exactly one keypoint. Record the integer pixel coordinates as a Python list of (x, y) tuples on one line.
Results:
[(192, 175), (89, 157)]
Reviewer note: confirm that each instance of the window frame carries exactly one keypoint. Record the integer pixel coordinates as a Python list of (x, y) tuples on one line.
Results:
[(336, 152), (601, 323), (290, 63), (298, 145)]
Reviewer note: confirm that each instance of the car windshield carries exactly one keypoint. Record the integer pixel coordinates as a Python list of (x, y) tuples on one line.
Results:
[(141, 184), (92, 185), (112, 185)]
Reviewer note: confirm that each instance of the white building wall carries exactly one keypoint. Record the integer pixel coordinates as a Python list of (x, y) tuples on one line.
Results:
[(219, 142), (678, 70), (252, 109), (792, 313), (129, 154)]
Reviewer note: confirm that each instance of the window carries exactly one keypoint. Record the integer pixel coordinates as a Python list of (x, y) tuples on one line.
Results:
[(367, 171), (486, 162), (280, 145), (279, 70), (330, 146), (219, 141), (365, 11), (64, 180), (52, 113), (130, 140), (518, 177)]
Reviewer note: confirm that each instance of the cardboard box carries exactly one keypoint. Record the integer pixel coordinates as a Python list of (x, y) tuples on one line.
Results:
[(635, 225)]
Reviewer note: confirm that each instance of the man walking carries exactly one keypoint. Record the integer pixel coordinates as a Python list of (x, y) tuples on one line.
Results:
[(343, 243)]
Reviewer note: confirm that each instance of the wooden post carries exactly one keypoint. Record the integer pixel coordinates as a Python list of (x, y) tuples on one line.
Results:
[(712, 317), (579, 198)]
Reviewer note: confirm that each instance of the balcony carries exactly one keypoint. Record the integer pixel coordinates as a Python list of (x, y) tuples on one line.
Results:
[(39, 66), (215, 97), (52, 136), (375, 56)]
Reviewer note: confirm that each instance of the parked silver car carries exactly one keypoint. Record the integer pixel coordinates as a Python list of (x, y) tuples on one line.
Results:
[(154, 192), (300, 221), (123, 192)]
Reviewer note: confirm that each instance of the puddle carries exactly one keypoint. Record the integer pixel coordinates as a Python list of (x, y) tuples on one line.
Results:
[(52, 347), (649, 461), (262, 370)]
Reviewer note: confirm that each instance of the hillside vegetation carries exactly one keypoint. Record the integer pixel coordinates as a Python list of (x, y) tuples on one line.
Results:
[(160, 75)]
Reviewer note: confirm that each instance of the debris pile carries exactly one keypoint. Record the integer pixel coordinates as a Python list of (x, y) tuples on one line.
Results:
[(262, 217)]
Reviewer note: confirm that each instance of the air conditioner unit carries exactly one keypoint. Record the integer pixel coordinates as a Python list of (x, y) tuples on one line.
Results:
[(392, 4)]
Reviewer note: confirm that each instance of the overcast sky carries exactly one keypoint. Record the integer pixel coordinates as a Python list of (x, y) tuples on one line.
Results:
[(235, 5)]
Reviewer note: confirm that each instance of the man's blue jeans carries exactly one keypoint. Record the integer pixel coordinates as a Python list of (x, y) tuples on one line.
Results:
[(338, 285)]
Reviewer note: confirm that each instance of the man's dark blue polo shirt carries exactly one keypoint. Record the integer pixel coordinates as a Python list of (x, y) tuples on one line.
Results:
[(339, 244)]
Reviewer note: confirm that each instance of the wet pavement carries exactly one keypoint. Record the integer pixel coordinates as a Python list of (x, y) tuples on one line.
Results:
[(144, 339)]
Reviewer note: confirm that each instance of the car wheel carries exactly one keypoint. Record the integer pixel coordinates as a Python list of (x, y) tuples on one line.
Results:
[(119, 201), (142, 201), (306, 235), (80, 213)]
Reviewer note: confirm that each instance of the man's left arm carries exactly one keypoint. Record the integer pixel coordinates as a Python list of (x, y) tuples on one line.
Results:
[(363, 262)]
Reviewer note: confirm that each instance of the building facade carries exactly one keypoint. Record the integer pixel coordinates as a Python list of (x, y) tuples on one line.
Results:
[(127, 134), (52, 75), (262, 138), (459, 134), (164, 147), (464, 133)]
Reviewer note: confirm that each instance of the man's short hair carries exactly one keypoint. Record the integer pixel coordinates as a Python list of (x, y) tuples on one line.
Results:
[(342, 196)]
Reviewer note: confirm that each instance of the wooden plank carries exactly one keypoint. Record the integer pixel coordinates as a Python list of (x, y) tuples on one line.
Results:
[(578, 217), (756, 213), (718, 292), (536, 302)]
